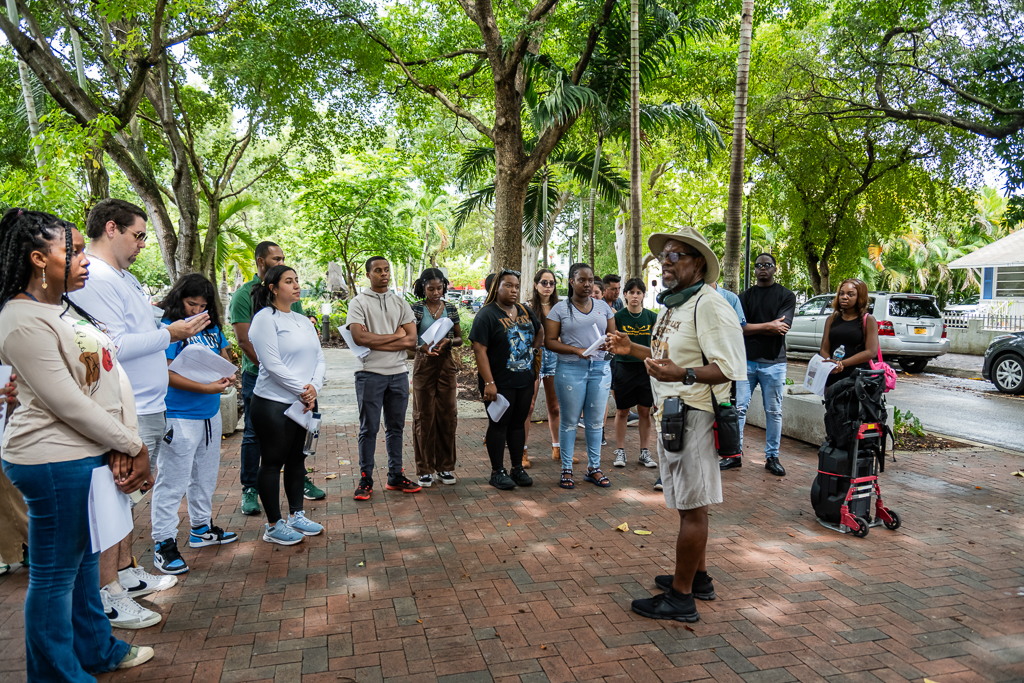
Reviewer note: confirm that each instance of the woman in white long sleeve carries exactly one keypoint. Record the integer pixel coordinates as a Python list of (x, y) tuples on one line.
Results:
[(292, 369)]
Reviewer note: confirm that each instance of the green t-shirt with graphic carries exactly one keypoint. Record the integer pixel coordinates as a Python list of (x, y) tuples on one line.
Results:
[(638, 327)]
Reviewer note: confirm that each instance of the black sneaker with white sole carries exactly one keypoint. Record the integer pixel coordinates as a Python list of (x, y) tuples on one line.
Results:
[(426, 480), (620, 458), (167, 559)]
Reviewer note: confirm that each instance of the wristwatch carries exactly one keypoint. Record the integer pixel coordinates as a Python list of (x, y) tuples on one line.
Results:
[(691, 377)]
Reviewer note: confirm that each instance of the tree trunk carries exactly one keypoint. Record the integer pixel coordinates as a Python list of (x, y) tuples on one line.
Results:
[(621, 228), (545, 229), (635, 217), (26, 93), (593, 195), (208, 255), (529, 270), (734, 216), (95, 171), (512, 177)]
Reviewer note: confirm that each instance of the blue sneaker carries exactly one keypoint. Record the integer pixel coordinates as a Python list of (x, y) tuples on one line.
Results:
[(205, 535), (299, 523), (167, 559), (281, 534)]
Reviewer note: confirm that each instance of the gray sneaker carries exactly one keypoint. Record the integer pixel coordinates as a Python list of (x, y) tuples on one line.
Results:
[(620, 458), (281, 534), (645, 458)]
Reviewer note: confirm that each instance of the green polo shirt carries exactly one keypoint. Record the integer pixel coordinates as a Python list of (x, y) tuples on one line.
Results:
[(240, 311)]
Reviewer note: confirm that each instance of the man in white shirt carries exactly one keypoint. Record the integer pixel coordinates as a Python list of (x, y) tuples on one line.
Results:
[(113, 296)]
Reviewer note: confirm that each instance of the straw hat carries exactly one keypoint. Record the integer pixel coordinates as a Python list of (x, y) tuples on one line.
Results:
[(689, 236)]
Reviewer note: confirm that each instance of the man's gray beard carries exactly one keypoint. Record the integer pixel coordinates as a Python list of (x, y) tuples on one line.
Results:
[(668, 282)]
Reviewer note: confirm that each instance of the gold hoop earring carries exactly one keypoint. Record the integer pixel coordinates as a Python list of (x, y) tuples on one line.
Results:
[(44, 278)]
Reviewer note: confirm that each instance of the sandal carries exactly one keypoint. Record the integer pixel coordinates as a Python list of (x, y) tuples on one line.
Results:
[(566, 481), (598, 478)]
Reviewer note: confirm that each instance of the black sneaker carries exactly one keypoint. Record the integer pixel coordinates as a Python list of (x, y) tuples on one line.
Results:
[(399, 482), (703, 586), (167, 559), (669, 605), (520, 477), (365, 489), (501, 480)]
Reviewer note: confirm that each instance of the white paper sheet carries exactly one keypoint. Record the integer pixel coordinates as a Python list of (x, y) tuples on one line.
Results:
[(360, 351), (818, 370), (110, 511), (5, 377), (436, 332), (497, 408), (593, 347), (199, 363), (295, 413)]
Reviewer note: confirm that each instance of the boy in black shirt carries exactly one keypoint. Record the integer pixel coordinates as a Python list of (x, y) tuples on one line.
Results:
[(769, 309)]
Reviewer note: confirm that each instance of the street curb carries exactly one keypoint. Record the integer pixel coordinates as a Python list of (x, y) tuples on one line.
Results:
[(972, 442), (952, 372)]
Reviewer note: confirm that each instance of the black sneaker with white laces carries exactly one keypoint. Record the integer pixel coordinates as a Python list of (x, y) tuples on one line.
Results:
[(501, 480)]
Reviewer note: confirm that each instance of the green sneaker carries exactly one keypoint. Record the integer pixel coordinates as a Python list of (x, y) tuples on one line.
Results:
[(311, 492), (250, 501)]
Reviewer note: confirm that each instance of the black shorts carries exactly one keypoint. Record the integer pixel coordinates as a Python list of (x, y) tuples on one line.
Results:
[(632, 385)]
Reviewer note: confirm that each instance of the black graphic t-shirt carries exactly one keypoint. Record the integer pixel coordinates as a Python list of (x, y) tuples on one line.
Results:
[(509, 342), (638, 327)]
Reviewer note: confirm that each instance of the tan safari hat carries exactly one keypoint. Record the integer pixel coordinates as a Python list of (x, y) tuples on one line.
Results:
[(689, 236)]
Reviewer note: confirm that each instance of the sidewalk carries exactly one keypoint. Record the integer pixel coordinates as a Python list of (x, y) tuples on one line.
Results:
[(956, 365), (466, 583)]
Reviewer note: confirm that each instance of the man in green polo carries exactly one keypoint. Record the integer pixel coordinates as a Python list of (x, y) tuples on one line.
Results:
[(268, 255)]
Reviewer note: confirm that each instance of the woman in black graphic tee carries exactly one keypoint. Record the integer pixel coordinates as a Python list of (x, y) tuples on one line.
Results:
[(506, 337)]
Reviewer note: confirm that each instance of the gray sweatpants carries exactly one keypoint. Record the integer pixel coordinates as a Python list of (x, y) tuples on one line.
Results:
[(187, 466)]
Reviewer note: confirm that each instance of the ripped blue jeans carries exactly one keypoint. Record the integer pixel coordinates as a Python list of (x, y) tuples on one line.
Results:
[(582, 388)]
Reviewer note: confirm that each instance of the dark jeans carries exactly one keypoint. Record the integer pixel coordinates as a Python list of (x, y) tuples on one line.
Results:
[(67, 635), (281, 441), (250, 444), (374, 393), (510, 429)]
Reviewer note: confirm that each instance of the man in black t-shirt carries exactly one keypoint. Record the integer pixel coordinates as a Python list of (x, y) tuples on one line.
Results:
[(769, 309)]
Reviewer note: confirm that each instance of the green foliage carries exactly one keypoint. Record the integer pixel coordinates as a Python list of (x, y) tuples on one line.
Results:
[(905, 424)]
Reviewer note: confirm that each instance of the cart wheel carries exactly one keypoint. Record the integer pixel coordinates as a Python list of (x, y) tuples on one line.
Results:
[(862, 528), (895, 523)]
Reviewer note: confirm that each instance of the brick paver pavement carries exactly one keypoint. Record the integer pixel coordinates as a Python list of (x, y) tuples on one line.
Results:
[(465, 583)]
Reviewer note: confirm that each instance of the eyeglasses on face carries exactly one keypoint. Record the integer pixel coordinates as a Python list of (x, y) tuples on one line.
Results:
[(546, 283), (674, 256), (140, 236), (764, 266)]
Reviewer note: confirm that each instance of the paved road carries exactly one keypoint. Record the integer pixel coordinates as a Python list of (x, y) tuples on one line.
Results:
[(971, 409)]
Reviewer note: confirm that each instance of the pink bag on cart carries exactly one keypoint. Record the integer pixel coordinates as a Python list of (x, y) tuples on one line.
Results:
[(890, 374)]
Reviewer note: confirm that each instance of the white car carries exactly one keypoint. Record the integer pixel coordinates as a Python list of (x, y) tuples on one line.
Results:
[(910, 327)]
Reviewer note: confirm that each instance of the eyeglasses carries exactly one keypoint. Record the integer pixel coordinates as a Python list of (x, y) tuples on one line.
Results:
[(674, 256), (140, 236), (546, 283), (763, 266)]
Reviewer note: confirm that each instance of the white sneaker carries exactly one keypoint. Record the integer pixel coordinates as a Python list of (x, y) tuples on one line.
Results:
[(138, 582), (136, 655), (124, 612), (645, 458), (427, 480), (620, 458), (447, 477)]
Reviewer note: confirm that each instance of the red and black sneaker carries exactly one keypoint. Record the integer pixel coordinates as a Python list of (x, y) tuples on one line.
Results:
[(401, 483), (365, 489)]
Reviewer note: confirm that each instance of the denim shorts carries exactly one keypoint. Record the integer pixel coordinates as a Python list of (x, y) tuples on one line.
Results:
[(547, 364)]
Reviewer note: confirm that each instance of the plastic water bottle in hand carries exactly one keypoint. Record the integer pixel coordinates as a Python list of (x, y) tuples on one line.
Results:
[(840, 353)]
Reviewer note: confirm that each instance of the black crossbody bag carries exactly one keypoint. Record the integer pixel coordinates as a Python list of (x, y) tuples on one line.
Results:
[(727, 419)]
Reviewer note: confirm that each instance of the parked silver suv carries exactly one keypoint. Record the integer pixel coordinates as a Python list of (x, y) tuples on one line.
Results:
[(910, 327)]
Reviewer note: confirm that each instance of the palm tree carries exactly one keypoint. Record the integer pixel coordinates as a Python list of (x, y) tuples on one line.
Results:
[(427, 213), (235, 247), (734, 215)]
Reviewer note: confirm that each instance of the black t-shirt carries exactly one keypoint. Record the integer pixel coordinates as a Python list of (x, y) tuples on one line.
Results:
[(762, 305), (509, 343)]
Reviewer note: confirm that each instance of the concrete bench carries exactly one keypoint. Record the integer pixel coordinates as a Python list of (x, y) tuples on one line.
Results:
[(803, 414)]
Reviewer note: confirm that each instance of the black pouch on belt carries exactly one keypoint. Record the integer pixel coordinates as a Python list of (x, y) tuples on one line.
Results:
[(673, 424), (727, 426)]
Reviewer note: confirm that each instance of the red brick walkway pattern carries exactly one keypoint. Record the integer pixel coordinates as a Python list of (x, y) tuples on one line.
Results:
[(465, 583)]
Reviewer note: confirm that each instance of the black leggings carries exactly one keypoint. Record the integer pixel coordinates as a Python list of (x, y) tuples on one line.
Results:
[(281, 443), (511, 428)]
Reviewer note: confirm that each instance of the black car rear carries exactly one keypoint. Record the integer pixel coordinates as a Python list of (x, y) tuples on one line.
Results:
[(1004, 363)]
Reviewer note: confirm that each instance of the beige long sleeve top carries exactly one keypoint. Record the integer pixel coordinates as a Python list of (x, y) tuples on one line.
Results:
[(76, 401)]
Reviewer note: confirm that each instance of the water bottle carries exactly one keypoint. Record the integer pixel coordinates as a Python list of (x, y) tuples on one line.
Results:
[(312, 435), (840, 353)]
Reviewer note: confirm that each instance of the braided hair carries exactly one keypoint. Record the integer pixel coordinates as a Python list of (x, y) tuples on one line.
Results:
[(573, 269), (21, 233), (419, 288)]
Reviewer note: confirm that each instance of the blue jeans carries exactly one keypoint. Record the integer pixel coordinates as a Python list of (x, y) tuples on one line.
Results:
[(67, 635), (772, 378), (582, 387), (250, 444)]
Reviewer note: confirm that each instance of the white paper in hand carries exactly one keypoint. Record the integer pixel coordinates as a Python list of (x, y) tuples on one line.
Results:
[(110, 511), (359, 351), (436, 332), (5, 377), (199, 363), (592, 349), (497, 408), (295, 412), (818, 370)]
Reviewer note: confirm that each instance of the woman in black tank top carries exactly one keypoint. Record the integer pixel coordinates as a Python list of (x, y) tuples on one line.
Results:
[(850, 326)]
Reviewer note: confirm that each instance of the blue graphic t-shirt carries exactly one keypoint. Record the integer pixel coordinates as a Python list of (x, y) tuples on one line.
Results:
[(509, 342), (188, 405)]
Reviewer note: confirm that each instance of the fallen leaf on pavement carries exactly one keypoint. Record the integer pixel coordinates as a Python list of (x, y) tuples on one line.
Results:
[(361, 564), (419, 621), (640, 532), (331, 476), (622, 527), (1018, 473), (577, 545), (689, 628), (509, 524), (543, 647)]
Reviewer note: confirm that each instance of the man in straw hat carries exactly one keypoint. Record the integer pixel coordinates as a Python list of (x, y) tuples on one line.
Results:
[(694, 318)]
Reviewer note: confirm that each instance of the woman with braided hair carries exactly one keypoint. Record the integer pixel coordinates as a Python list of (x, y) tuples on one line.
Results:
[(77, 415)]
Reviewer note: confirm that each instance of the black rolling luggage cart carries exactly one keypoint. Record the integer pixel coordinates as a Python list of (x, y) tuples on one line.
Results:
[(852, 456)]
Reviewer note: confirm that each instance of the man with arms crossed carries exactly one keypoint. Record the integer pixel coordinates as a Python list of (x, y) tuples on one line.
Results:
[(113, 296), (383, 322), (240, 315), (693, 319)]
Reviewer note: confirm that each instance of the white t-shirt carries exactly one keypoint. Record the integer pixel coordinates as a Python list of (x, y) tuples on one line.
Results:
[(118, 301), (290, 356)]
